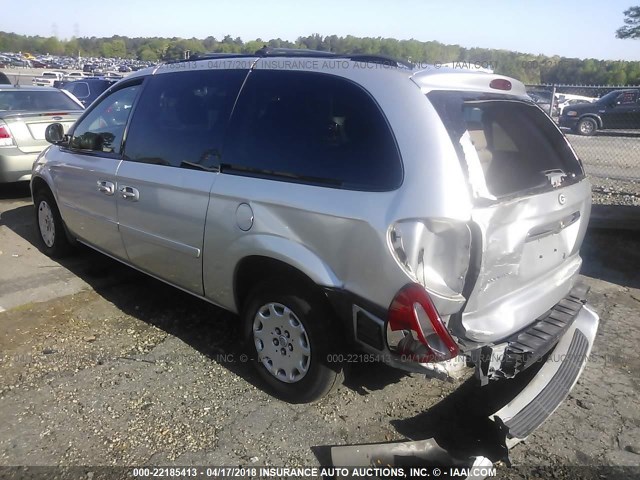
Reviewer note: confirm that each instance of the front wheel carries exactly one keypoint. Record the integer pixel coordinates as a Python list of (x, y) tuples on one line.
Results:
[(587, 126), (51, 231), (288, 331)]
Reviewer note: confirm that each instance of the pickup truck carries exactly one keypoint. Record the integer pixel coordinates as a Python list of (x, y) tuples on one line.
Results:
[(47, 78)]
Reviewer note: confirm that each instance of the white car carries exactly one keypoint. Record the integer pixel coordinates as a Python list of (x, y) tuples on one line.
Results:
[(566, 100), (71, 76)]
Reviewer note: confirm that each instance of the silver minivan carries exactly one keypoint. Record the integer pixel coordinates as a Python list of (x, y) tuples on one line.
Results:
[(345, 207)]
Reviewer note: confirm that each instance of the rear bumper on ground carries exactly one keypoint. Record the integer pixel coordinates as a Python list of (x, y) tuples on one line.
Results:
[(525, 412), (551, 385)]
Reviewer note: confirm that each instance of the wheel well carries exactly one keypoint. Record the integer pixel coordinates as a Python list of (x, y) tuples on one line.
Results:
[(254, 269), (594, 118), (38, 184)]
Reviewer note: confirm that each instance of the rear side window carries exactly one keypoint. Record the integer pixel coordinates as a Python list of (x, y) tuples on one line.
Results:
[(181, 118), (80, 90), (510, 145), (627, 98), (311, 128)]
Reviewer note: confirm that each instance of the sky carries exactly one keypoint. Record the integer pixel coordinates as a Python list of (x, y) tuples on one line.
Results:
[(570, 28)]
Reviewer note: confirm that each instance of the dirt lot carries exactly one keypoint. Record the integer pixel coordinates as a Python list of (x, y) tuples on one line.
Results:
[(114, 368)]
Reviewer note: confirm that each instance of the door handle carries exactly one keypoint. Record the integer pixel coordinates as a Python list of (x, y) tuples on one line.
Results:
[(108, 188), (130, 193)]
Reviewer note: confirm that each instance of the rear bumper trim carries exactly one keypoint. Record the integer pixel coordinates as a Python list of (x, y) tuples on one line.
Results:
[(551, 385), (532, 416), (527, 347)]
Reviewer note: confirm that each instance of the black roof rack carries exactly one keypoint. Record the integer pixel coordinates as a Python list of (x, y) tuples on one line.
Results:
[(381, 59), (213, 55), (303, 52), (293, 52)]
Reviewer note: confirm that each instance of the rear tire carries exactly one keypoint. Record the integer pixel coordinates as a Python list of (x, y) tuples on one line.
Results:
[(289, 337), (51, 230), (587, 126)]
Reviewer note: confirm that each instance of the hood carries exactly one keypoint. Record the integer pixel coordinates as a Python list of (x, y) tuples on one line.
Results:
[(583, 108)]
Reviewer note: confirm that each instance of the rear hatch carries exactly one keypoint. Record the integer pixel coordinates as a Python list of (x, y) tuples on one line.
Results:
[(531, 208)]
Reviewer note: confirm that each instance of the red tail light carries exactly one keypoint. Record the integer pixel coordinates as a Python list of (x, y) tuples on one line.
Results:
[(6, 140), (413, 311), (500, 84)]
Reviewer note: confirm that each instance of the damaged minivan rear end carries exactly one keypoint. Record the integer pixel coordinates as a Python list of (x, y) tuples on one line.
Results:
[(495, 277)]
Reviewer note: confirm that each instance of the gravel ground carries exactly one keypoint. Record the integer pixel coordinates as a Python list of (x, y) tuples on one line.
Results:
[(612, 162), (133, 372), (615, 192)]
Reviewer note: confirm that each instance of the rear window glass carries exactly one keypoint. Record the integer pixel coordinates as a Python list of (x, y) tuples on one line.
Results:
[(35, 101), (312, 128), (507, 145)]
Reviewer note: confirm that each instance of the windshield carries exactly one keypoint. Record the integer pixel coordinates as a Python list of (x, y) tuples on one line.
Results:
[(35, 101), (609, 97)]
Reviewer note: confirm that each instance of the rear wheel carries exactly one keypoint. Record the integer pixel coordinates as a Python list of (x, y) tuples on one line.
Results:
[(288, 333), (587, 126), (51, 231)]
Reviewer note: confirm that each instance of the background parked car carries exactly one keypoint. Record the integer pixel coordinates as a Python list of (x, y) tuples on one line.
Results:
[(48, 78), (88, 89), (543, 99), (565, 101), (25, 113), (17, 62), (71, 76), (619, 109)]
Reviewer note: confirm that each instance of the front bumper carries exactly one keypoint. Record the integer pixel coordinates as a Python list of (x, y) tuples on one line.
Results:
[(568, 122)]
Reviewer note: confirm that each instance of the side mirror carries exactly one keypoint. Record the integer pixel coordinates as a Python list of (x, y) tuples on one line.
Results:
[(54, 133)]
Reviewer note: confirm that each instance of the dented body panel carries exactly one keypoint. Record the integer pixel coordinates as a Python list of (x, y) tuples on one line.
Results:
[(530, 260)]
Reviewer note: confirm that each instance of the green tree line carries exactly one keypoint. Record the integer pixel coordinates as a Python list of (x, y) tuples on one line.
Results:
[(531, 69)]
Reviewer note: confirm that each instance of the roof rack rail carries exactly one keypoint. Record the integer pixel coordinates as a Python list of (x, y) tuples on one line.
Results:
[(213, 55), (292, 52), (303, 52), (381, 59)]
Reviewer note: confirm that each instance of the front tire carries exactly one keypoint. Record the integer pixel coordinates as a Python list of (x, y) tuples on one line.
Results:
[(51, 230), (587, 126), (289, 335)]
